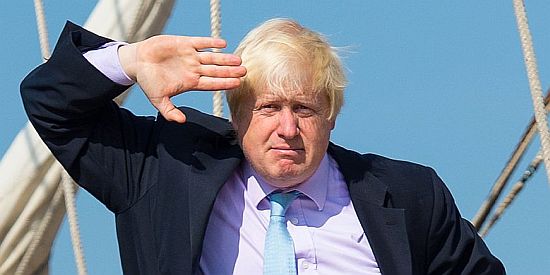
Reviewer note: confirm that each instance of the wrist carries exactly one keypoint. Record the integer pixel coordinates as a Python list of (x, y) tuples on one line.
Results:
[(127, 59)]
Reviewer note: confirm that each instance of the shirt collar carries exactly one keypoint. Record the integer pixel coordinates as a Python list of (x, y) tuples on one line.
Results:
[(314, 188)]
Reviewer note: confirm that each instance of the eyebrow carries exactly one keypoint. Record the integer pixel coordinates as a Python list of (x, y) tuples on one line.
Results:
[(310, 98)]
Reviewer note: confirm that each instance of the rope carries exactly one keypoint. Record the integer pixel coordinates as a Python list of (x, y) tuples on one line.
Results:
[(531, 169), (56, 202), (42, 29), (216, 27), (534, 82), (69, 190), (540, 121), (509, 168)]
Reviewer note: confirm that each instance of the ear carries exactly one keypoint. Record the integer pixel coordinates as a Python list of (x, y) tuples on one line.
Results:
[(332, 124)]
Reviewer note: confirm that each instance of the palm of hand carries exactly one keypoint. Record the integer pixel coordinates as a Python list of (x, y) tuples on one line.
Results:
[(166, 66)]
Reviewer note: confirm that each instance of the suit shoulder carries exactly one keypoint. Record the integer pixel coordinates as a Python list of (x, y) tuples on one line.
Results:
[(196, 118), (399, 175), (381, 163), (199, 125), (214, 123), (375, 163)]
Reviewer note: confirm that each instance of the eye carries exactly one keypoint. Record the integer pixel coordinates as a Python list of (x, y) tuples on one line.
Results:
[(268, 108), (303, 110)]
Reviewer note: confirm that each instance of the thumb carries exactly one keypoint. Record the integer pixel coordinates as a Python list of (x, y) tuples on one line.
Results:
[(169, 111)]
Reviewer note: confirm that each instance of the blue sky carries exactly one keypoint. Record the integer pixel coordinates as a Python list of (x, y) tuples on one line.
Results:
[(436, 82)]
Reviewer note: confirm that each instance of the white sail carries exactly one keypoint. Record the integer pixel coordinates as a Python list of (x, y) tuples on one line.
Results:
[(31, 196)]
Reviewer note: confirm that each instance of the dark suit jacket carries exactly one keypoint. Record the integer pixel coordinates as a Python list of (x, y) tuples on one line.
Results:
[(161, 178)]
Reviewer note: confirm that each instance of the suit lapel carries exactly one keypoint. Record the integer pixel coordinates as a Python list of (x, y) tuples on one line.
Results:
[(213, 167), (385, 227)]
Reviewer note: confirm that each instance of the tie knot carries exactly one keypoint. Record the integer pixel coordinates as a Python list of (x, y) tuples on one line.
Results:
[(281, 201)]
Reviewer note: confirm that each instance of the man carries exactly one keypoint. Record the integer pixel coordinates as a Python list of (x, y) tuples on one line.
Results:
[(193, 193)]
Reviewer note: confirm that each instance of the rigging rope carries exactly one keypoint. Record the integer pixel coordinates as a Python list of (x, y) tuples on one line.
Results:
[(42, 29), (67, 192), (531, 169), (534, 82), (66, 187), (539, 122), (216, 26), (509, 168)]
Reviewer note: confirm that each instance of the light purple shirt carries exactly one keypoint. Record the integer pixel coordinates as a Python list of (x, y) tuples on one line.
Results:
[(327, 235)]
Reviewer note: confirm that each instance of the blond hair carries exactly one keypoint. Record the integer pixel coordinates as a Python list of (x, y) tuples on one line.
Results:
[(281, 56)]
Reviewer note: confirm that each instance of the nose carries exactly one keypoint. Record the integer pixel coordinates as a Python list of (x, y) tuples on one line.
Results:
[(288, 124)]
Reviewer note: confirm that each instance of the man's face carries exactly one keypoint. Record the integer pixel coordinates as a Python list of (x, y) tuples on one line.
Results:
[(284, 138)]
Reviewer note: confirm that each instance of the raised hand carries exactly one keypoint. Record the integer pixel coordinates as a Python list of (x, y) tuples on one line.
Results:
[(165, 66)]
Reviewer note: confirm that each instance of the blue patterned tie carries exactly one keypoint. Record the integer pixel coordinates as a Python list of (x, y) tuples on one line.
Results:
[(279, 256)]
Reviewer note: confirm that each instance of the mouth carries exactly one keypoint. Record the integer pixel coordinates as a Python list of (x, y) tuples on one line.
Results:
[(286, 147), (287, 150)]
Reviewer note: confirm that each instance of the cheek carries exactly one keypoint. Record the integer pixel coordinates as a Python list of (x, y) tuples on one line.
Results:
[(257, 133), (316, 136), (316, 129)]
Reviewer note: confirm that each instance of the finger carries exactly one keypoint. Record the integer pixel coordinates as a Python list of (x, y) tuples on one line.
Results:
[(214, 83), (222, 71), (210, 58), (201, 43), (169, 111), (175, 115)]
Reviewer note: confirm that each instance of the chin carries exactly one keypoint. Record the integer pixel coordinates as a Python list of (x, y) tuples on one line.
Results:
[(283, 183), (288, 178)]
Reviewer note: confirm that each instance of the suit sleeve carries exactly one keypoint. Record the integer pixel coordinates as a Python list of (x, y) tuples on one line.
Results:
[(106, 149), (454, 247)]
